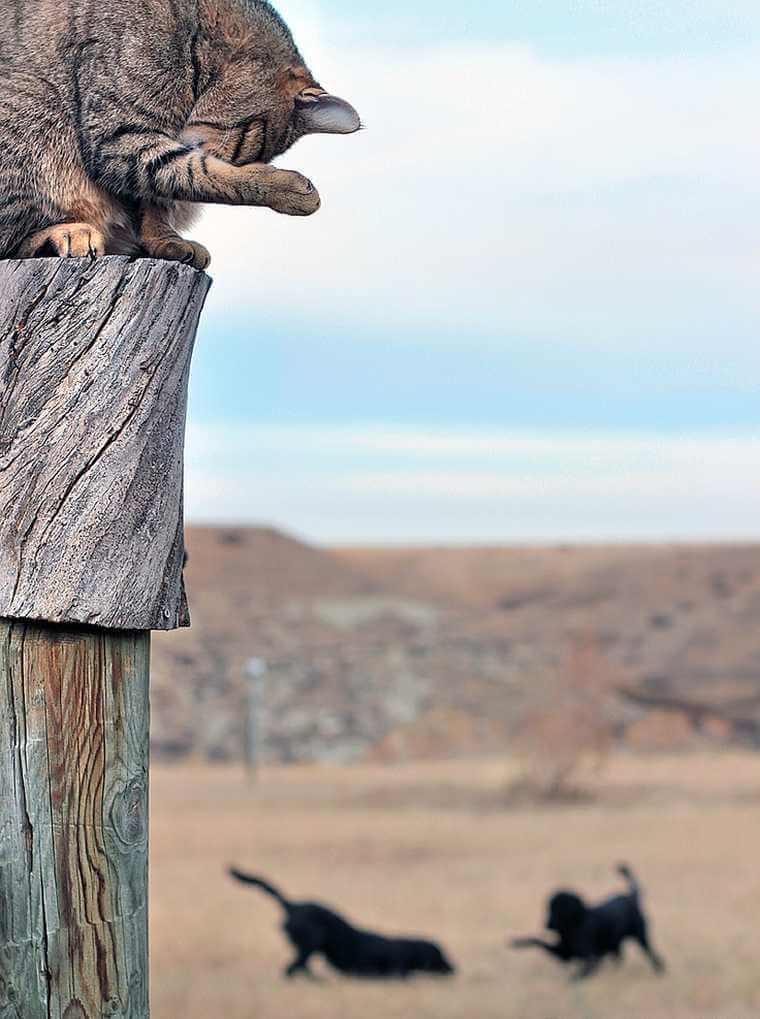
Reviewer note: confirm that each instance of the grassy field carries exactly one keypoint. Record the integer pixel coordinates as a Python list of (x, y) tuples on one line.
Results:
[(430, 848)]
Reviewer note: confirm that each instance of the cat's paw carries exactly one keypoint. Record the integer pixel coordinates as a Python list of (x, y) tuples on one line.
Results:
[(177, 249), (68, 240), (284, 191)]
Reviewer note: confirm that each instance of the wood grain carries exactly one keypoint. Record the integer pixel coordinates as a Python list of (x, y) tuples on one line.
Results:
[(73, 822), (94, 366)]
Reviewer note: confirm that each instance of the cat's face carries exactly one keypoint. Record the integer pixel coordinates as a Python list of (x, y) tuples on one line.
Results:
[(256, 111), (257, 85)]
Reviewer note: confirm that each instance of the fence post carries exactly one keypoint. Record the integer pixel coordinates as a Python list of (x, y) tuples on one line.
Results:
[(255, 673), (94, 366)]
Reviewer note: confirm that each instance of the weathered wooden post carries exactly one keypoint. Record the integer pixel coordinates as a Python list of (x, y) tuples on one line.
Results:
[(255, 672), (94, 365)]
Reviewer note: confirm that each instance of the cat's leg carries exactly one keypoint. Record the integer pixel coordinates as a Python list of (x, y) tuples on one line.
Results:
[(86, 222), (161, 222), (159, 237), (240, 144), (23, 208), (195, 177), (142, 163), (48, 205)]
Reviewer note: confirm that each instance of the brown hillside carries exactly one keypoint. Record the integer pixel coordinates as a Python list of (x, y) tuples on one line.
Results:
[(430, 651)]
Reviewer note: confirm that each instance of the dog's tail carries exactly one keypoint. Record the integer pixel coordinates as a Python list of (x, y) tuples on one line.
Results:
[(251, 879), (625, 871)]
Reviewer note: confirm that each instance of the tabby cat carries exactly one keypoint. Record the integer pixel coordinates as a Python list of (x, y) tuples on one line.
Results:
[(118, 116)]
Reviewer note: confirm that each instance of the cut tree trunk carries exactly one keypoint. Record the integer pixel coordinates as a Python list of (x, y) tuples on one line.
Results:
[(94, 367)]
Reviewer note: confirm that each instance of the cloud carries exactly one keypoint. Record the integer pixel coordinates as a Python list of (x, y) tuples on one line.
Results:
[(585, 229), (391, 484), (595, 201)]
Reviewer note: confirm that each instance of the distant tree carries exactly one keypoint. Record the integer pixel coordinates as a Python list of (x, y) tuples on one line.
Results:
[(568, 727)]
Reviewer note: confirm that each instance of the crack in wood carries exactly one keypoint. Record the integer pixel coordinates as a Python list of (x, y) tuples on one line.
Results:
[(63, 499), (18, 329)]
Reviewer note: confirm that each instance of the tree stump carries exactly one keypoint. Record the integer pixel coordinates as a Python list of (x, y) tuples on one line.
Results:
[(94, 366)]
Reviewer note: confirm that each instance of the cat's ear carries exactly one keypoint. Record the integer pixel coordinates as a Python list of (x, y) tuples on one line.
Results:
[(320, 113)]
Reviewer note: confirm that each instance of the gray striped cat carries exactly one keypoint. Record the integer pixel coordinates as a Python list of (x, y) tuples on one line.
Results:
[(117, 117)]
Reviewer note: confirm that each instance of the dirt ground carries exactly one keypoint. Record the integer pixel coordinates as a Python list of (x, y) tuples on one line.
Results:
[(431, 848)]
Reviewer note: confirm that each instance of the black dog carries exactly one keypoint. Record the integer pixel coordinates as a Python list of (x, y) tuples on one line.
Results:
[(589, 933), (315, 929)]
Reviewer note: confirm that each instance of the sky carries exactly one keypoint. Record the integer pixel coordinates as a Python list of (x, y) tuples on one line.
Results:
[(528, 309)]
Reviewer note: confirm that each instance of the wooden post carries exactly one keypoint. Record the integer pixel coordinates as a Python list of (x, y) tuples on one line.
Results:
[(94, 366), (255, 672)]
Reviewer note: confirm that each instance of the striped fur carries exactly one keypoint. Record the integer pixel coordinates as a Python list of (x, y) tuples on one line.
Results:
[(117, 117)]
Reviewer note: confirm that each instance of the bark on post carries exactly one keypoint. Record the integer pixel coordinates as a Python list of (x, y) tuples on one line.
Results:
[(94, 366)]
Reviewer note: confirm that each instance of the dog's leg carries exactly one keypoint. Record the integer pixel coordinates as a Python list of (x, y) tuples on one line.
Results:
[(588, 967), (300, 965), (658, 964), (537, 943)]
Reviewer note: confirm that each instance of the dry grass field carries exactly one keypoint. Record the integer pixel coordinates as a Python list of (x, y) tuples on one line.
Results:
[(431, 848)]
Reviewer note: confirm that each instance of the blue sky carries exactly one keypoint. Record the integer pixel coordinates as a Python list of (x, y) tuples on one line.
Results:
[(547, 233), (559, 27)]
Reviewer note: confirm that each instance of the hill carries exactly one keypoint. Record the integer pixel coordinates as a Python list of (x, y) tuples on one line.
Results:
[(430, 651)]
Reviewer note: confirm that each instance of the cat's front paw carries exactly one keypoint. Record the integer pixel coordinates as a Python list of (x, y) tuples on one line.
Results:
[(68, 240), (177, 249), (285, 191)]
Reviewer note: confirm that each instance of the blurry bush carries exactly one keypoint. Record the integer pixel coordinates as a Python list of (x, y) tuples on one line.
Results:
[(568, 729)]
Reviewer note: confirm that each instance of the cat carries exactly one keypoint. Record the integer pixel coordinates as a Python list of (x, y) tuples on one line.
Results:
[(119, 117)]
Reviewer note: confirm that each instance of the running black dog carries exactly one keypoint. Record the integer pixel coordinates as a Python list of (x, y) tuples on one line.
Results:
[(589, 933), (315, 929)]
